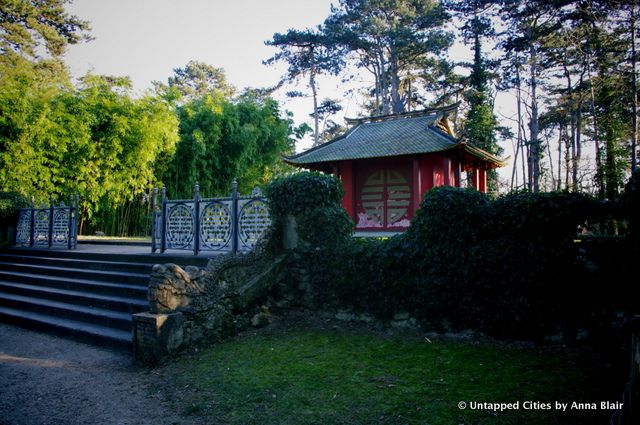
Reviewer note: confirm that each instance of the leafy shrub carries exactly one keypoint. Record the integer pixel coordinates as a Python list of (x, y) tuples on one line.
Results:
[(314, 200), (510, 267), (10, 203), (303, 192), (529, 272), (631, 205), (324, 230), (507, 267)]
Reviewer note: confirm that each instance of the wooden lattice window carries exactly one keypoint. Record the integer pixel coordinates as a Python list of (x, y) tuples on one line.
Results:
[(384, 199)]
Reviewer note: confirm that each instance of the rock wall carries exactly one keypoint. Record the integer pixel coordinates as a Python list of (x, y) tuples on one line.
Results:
[(190, 305)]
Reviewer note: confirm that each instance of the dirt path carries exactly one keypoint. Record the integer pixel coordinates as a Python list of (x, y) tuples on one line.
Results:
[(47, 380)]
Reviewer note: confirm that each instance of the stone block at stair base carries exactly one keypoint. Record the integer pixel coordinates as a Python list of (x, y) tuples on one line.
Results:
[(157, 336)]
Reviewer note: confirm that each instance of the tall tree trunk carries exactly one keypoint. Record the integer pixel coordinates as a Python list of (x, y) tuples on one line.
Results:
[(377, 95), (551, 172), (314, 91), (384, 84), (568, 158), (534, 141), (578, 146), (572, 136), (514, 170), (521, 141), (559, 159), (397, 104), (409, 94), (610, 168), (634, 87), (514, 173), (596, 136)]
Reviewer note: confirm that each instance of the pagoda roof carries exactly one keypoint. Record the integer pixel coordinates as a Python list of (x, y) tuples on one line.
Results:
[(411, 133)]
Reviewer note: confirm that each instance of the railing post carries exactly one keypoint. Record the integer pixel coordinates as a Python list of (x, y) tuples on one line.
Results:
[(196, 218), (163, 221), (154, 230), (33, 223), (50, 222), (76, 220), (234, 216), (70, 223)]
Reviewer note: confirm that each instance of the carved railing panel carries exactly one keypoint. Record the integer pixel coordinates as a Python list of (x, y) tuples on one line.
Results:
[(213, 224), (23, 230), (53, 226), (216, 225), (253, 221), (180, 225)]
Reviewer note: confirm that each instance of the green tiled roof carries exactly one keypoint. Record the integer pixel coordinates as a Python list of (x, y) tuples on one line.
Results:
[(402, 135)]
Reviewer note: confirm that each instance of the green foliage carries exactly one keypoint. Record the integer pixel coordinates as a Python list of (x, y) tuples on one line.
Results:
[(301, 193), (99, 141), (27, 25), (391, 39), (325, 226), (196, 80), (508, 267), (631, 205), (221, 140), (313, 199), (480, 124), (95, 140), (10, 203)]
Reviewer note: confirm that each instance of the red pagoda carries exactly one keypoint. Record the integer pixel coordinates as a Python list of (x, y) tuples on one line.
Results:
[(387, 164)]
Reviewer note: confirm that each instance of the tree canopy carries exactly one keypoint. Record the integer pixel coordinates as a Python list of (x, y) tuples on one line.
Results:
[(29, 25), (567, 67)]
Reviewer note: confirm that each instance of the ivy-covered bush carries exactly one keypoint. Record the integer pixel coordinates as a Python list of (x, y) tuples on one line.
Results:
[(323, 226), (631, 205), (303, 192), (313, 199), (510, 267), (10, 203), (529, 277)]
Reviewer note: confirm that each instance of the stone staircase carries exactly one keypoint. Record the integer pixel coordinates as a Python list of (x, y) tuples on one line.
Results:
[(90, 296)]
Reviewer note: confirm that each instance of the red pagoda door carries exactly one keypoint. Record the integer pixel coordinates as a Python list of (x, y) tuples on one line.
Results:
[(383, 198)]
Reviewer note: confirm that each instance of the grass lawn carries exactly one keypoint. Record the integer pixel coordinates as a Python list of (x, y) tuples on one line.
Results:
[(335, 376)]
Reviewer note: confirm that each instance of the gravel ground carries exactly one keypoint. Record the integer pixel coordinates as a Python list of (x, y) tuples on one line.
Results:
[(45, 380)]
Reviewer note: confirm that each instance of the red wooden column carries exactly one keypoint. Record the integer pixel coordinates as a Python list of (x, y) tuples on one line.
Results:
[(446, 171), (415, 185), (476, 178), (346, 176), (457, 174), (482, 180)]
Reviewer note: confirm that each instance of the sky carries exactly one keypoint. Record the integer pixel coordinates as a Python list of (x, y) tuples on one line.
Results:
[(147, 39)]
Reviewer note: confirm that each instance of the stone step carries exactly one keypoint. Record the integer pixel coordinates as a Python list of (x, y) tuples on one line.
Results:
[(76, 263), (127, 290), (89, 293), (185, 259), (107, 302), (77, 273), (96, 316), (108, 241), (87, 332)]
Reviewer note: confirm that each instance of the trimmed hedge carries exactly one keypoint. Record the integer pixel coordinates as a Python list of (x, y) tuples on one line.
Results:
[(509, 267), (314, 200)]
